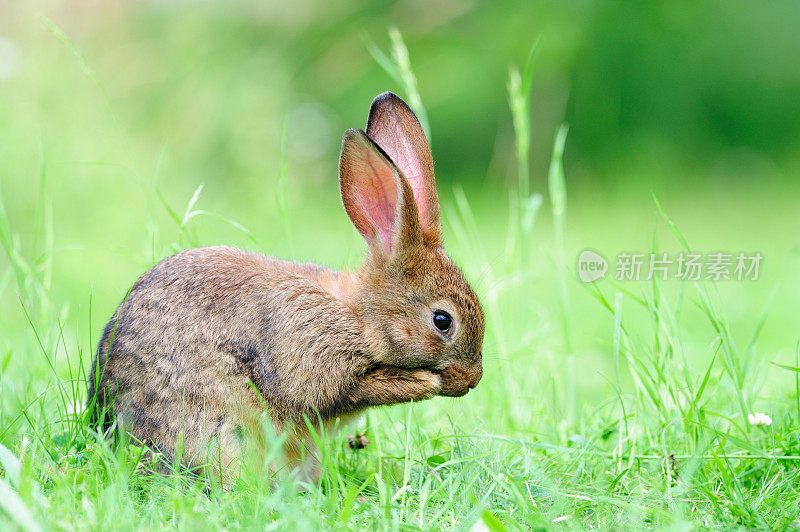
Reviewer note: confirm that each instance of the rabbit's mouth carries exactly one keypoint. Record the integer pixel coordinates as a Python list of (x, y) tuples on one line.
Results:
[(457, 381)]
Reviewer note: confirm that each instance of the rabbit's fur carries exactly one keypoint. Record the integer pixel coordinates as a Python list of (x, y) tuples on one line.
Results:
[(209, 337)]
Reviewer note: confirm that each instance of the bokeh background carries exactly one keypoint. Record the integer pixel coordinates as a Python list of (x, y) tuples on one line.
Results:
[(113, 113)]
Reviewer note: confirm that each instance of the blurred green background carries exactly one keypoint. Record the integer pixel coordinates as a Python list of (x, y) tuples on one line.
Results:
[(112, 111)]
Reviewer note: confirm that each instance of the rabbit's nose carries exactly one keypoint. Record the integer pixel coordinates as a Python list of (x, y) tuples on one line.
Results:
[(475, 377)]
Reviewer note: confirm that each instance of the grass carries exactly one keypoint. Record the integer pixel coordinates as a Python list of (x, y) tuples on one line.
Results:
[(612, 405)]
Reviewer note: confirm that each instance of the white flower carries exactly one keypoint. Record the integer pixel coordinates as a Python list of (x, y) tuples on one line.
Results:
[(759, 419), (480, 526)]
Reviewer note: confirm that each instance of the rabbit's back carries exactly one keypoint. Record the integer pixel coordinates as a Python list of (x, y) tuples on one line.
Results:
[(179, 354)]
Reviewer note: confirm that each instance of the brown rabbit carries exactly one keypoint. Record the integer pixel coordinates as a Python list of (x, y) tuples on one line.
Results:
[(209, 337)]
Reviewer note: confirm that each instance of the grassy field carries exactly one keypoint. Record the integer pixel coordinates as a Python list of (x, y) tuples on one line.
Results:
[(611, 405)]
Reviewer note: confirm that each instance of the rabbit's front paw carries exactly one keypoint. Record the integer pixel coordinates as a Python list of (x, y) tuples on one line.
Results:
[(388, 385), (424, 383)]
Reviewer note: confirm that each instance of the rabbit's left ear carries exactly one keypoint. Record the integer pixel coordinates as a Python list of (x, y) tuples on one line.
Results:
[(377, 198), (395, 128)]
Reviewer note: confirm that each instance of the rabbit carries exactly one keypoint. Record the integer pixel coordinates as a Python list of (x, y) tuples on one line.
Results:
[(210, 338)]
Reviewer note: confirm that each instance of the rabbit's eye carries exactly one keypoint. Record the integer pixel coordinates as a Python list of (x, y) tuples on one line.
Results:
[(442, 321)]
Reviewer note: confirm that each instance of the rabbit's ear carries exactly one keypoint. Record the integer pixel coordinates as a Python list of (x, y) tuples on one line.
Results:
[(376, 196), (395, 128)]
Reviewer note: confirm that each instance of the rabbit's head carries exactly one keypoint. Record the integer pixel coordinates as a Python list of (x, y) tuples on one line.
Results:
[(418, 311)]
